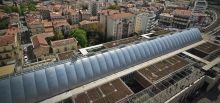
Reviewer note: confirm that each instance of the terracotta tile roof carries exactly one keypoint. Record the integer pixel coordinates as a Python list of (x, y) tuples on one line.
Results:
[(39, 39), (72, 12), (44, 35), (57, 23), (63, 42), (108, 12), (7, 39), (33, 21), (121, 15), (85, 22), (55, 14), (185, 13), (47, 30), (12, 31), (46, 23), (58, 20)]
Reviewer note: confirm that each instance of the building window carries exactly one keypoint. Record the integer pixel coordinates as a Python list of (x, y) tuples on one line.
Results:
[(65, 49), (3, 64), (7, 56), (58, 50)]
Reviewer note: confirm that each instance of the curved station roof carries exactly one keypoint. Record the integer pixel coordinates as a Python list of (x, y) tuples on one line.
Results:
[(49, 81)]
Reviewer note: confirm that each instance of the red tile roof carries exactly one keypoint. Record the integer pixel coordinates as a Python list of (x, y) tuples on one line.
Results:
[(12, 31), (7, 39), (121, 15), (108, 12), (63, 42), (39, 39), (185, 13)]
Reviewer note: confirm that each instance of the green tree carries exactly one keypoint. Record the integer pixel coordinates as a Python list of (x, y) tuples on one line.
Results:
[(58, 35), (3, 23), (31, 7), (80, 36), (7, 9), (114, 7)]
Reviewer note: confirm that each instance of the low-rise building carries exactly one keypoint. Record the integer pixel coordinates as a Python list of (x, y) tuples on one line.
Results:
[(44, 11), (40, 45), (35, 26), (60, 46), (48, 26), (84, 15), (56, 15), (34, 23), (14, 19), (61, 26), (88, 25), (73, 16)]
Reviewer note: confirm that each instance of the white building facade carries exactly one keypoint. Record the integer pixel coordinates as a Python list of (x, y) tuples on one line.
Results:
[(144, 22), (120, 26)]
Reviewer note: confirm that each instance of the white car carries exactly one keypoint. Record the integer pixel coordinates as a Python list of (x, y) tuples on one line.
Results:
[(25, 58)]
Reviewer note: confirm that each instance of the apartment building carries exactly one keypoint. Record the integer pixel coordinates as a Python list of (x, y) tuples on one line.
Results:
[(144, 22), (56, 15), (200, 6), (65, 45), (95, 6), (61, 26), (120, 25), (14, 19), (44, 11), (182, 18), (9, 47), (103, 14), (73, 16), (35, 26), (48, 26), (166, 19), (40, 45), (34, 23)]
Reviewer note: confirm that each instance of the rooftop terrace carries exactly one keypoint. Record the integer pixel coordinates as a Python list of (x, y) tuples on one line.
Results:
[(163, 68), (207, 47), (120, 42), (106, 93)]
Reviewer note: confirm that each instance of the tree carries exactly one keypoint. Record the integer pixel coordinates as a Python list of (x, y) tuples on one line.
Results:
[(58, 35), (3, 23), (31, 7), (80, 36), (114, 7), (7, 9)]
